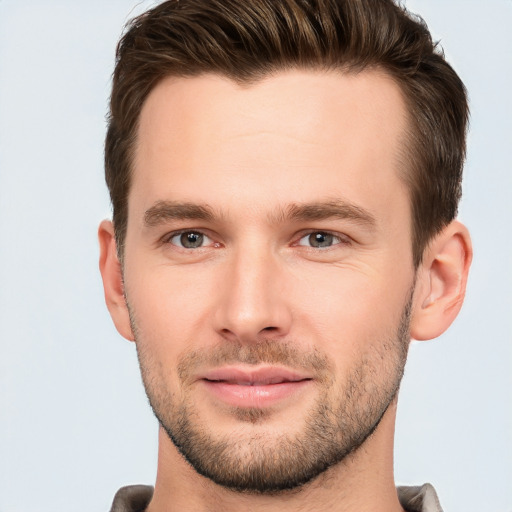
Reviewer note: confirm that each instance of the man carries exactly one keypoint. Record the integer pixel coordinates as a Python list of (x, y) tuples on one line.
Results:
[(285, 178)]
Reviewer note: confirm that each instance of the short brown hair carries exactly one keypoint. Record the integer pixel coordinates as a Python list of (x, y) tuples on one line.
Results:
[(247, 40)]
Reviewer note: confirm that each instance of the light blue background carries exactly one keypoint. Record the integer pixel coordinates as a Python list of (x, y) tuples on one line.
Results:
[(75, 424)]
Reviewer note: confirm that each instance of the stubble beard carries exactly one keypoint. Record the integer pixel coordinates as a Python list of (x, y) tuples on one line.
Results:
[(343, 417)]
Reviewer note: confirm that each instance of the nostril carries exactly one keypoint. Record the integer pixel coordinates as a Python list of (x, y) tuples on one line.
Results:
[(269, 329)]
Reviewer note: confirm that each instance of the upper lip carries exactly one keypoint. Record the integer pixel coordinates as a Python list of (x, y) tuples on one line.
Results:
[(254, 376)]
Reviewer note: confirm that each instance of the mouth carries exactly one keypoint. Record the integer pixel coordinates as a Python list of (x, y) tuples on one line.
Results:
[(254, 388)]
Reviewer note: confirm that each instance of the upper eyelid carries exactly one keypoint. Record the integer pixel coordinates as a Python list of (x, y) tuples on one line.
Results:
[(171, 234), (337, 234), (208, 243), (344, 238)]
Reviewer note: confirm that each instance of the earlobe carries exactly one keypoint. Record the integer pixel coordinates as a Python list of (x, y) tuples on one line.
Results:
[(111, 274), (441, 282)]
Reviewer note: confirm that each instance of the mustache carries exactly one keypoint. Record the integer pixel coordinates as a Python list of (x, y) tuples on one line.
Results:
[(261, 352)]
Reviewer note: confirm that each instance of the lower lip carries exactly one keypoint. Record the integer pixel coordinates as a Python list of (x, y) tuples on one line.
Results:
[(254, 396)]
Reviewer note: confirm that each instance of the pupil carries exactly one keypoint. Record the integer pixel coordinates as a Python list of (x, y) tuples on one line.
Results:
[(191, 240), (320, 239)]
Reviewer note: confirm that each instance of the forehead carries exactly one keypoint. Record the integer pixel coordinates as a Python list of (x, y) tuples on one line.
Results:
[(286, 138)]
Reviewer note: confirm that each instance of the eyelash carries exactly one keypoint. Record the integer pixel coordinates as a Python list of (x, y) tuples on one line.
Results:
[(168, 238), (339, 239)]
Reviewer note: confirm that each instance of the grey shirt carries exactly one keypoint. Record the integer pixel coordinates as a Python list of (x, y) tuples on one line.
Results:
[(135, 498)]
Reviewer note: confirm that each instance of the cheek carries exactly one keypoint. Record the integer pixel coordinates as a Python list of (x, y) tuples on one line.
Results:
[(168, 304), (349, 310)]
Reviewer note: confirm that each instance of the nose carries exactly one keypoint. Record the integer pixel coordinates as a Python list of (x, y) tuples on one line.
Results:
[(253, 303)]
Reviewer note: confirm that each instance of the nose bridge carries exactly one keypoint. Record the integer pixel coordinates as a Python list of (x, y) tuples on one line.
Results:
[(253, 303)]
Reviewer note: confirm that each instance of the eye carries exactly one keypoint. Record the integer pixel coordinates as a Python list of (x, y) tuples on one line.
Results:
[(190, 239), (319, 240)]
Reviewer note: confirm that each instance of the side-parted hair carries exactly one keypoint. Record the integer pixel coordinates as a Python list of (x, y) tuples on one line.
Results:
[(247, 40)]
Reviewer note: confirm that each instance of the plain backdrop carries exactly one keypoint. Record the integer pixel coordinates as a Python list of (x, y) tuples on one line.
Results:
[(75, 424)]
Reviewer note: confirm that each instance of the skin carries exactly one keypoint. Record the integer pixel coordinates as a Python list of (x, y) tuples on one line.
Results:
[(252, 154)]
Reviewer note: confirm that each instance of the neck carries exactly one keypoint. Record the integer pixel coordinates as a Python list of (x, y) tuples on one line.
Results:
[(363, 482)]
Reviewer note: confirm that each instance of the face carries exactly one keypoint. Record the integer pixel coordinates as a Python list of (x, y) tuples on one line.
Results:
[(268, 269)]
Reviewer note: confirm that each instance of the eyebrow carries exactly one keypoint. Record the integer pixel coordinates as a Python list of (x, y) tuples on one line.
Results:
[(334, 209), (163, 211)]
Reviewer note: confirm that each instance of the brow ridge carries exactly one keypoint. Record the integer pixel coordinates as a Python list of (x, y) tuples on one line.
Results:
[(163, 211)]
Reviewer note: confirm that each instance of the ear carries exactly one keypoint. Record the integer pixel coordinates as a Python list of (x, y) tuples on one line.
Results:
[(112, 277), (441, 282)]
